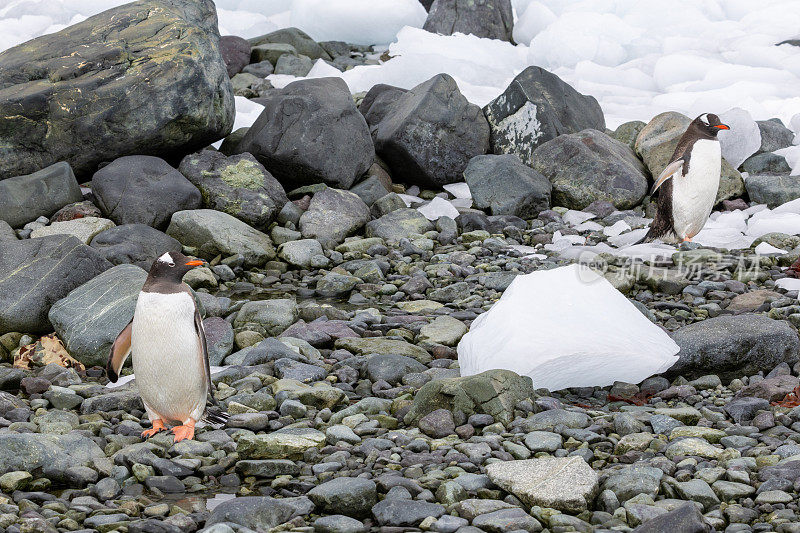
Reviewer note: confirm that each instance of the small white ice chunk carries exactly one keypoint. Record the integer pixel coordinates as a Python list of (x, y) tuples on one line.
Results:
[(742, 140), (619, 227), (766, 248), (790, 284), (437, 208), (573, 218), (459, 190), (566, 327)]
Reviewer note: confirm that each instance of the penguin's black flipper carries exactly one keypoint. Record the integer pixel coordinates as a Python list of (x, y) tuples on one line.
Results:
[(215, 415), (120, 351), (201, 335)]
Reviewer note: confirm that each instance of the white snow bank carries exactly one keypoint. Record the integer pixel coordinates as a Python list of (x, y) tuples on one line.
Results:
[(356, 21), (566, 327)]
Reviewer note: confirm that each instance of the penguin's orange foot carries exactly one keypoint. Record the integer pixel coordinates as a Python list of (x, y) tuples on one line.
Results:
[(184, 432), (687, 239), (158, 426)]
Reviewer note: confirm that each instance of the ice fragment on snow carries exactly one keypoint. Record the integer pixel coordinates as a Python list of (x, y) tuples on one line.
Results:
[(459, 190), (437, 208)]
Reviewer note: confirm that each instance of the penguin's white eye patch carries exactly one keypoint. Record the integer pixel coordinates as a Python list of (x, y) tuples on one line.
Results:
[(167, 258), (704, 118)]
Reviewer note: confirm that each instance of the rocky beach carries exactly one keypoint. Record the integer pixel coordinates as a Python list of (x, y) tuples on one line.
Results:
[(351, 239)]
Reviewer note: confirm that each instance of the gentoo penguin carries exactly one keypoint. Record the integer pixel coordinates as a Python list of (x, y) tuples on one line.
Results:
[(170, 357), (689, 184)]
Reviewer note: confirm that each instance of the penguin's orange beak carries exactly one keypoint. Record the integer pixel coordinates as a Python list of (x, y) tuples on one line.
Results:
[(194, 263), (723, 126)]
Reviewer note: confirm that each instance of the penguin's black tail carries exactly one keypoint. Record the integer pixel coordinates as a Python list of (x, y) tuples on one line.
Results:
[(215, 416)]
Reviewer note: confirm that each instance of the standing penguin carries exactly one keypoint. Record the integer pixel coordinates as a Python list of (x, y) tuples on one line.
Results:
[(170, 357), (690, 182)]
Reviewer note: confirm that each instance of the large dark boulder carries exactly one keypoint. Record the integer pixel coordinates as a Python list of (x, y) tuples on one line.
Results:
[(333, 215), (35, 273), (238, 185), (90, 317), (504, 186), (430, 133), (23, 199), (588, 166), (378, 101), (135, 244), (235, 53), (142, 78), (538, 106), (141, 189), (734, 345), (311, 132), (483, 18), (774, 135)]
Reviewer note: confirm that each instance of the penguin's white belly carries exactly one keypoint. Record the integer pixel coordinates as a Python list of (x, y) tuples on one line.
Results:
[(694, 195), (167, 359)]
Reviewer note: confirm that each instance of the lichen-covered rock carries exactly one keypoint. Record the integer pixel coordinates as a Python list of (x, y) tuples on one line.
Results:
[(23, 199), (429, 134), (491, 19), (35, 273), (238, 185), (143, 78), (538, 106), (311, 132), (657, 141), (142, 189), (210, 233), (494, 392), (91, 316), (588, 166), (297, 39)]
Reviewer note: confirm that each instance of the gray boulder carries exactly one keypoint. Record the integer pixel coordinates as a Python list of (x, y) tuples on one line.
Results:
[(774, 135), (35, 273), (492, 19), (588, 166), (23, 199), (259, 513), (88, 94), (371, 189), (297, 39), (90, 317), (734, 345), (7, 232), (657, 141), (235, 53), (684, 519), (538, 106), (292, 65), (135, 244), (351, 496), (504, 186), (333, 215), (219, 338), (378, 101), (494, 392), (238, 185), (430, 133), (210, 233), (772, 190), (311, 132), (392, 367), (141, 189), (766, 163), (398, 224), (47, 455)]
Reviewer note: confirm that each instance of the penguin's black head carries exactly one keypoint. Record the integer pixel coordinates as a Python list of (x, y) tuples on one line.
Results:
[(171, 267), (710, 124)]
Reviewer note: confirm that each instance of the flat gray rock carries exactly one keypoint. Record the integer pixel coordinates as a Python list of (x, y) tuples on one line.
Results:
[(35, 273), (90, 317), (567, 484)]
